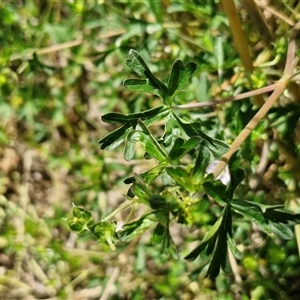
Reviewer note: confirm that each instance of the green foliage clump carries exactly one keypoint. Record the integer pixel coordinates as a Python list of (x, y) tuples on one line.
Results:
[(62, 64), (183, 179)]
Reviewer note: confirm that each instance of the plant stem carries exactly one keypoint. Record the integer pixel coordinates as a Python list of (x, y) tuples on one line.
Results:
[(238, 34), (249, 127), (46, 50), (259, 21), (239, 38), (119, 209), (280, 87), (276, 13), (266, 89)]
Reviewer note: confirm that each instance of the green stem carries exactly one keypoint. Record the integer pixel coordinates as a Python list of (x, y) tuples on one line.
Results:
[(119, 209)]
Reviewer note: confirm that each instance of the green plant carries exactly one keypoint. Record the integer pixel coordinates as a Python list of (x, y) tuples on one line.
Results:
[(172, 189), (61, 69)]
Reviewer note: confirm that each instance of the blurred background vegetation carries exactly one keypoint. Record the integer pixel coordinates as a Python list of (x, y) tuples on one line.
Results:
[(62, 64)]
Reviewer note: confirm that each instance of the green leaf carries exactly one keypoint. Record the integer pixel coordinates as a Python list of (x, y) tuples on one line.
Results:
[(168, 244), (210, 235), (158, 234), (274, 214), (281, 230), (235, 180), (181, 177), (191, 143), (219, 54), (192, 129), (157, 202), (172, 131), (217, 190), (174, 78), (211, 245), (150, 144), (185, 75), (251, 211), (141, 190), (187, 129), (196, 252), (235, 251), (264, 208), (118, 118), (213, 230), (143, 86), (220, 255), (138, 65), (180, 76), (217, 147), (115, 138), (219, 259), (150, 175), (129, 121), (161, 234), (78, 225), (201, 164), (136, 228), (177, 149), (215, 241), (228, 220), (159, 116), (237, 174), (81, 213), (162, 217), (157, 8), (166, 178), (82, 220), (129, 148), (178, 79), (105, 232), (180, 149), (270, 218)]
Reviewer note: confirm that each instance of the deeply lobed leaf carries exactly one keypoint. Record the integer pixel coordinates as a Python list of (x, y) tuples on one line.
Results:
[(138, 65)]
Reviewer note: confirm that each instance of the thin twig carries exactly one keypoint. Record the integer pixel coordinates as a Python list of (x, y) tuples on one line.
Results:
[(235, 268), (110, 284), (280, 87), (259, 21), (266, 89), (52, 48), (274, 12), (23, 204), (119, 209), (239, 39), (238, 34)]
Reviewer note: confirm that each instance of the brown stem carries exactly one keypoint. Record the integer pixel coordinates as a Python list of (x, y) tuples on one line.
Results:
[(46, 50), (249, 127), (280, 87), (266, 89), (238, 34), (240, 40), (258, 20)]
